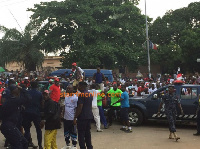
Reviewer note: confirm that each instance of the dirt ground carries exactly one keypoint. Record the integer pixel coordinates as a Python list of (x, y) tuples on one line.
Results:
[(149, 136)]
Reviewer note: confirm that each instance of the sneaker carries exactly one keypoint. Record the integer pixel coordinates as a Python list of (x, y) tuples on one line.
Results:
[(66, 147), (106, 127), (100, 130), (123, 129), (128, 131), (73, 147)]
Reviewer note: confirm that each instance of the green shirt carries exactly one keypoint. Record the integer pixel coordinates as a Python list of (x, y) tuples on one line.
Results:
[(99, 99), (115, 96)]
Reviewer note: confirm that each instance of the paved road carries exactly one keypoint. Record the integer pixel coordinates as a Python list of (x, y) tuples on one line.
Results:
[(150, 136)]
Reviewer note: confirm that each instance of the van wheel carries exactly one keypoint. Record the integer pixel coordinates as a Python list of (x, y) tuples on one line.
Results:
[(135, 117)]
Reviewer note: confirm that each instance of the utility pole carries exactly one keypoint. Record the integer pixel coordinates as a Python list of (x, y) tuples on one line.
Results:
[(147, 39)]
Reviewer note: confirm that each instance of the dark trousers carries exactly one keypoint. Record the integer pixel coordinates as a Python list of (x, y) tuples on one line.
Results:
[(70, 131), (198, 121), (27, 119), (84, 135), (14, 136), (102, 117), (171, 117), (111, 113)]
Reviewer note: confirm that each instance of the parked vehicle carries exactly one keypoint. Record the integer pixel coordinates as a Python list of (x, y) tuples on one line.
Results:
[(88, 73), (146, 107)]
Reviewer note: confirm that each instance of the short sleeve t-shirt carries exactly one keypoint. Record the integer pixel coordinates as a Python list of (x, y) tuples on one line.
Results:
[(70, 106), (115, 96), (86, 112), (99, 98), (95, 93), (125, 101), (55, 93)]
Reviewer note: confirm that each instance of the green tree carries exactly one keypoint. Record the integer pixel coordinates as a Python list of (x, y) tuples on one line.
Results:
[(178, 28), (19, 47), (98, 32)]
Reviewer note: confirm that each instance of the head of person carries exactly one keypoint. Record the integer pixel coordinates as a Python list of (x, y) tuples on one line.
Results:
[(153, 86), (14, 90), (57, 81), (34, 84), (82, 86), (98, 70), (51, 81), (11, 81), (123, 88), (93, 86), (74, 65), (69, 89), (115, 87), (46, 95), (171, 89), (142, 84)]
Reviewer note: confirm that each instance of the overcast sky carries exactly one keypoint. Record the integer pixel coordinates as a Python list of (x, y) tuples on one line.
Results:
[(18, 8)]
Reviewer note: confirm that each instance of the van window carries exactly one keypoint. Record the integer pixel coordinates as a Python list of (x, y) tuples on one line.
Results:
[(188, 93)]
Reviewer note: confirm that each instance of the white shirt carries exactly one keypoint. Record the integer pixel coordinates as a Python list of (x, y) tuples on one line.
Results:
[(95, 94), (152, 90), (70, 106)]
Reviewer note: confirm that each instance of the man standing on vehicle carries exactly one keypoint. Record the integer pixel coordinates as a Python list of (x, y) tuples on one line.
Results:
[(98, 78), (124, 110), (171, 100), (77, 74), (115, 94)]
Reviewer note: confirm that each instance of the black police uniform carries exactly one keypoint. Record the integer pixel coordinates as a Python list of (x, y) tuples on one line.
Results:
[(170, 101), (198, 119), (10, 118)]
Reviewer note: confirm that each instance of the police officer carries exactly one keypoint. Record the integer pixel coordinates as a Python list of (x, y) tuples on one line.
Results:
[(10, 117), (198, 119), (171, 100)]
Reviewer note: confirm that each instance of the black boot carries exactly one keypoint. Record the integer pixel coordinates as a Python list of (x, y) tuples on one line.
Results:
[(196, 134)]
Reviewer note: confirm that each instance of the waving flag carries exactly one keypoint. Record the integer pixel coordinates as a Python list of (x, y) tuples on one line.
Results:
[(152, 46)]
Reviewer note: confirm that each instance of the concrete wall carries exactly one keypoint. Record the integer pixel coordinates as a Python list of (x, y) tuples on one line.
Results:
[(49, 62)]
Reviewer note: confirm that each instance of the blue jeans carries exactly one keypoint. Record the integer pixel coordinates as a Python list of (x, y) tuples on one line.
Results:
[(102, 117)]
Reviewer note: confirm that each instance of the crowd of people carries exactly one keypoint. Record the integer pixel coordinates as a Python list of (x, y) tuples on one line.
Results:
[(23, 104)]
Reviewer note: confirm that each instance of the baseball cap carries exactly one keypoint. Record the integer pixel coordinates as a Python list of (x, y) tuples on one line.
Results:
[(56, 79), (26, 78), (73, 64), (51, 80)]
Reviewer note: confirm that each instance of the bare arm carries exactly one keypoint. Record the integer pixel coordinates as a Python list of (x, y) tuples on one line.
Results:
[(160, 107), (78, 110)]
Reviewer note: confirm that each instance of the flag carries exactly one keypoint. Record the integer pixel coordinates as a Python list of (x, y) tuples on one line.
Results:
[(152, 46)]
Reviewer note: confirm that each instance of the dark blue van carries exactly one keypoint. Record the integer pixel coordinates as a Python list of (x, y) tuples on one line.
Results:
[(88, 73)]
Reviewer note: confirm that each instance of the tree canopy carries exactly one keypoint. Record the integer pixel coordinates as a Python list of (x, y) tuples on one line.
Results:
[(16, 46), (178, 36), (98, 32)]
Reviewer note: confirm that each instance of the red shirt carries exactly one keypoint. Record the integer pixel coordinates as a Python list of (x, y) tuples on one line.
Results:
[(55, 92), (140, 89), (1, 90)]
